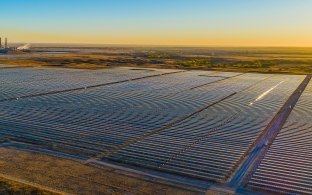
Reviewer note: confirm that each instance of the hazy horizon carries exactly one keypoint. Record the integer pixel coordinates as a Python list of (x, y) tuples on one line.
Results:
[(144, 45), (204, 23)]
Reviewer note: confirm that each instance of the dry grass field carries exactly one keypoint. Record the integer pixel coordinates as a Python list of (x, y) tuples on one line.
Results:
[(50, 175), (12, 187), (264, 60)]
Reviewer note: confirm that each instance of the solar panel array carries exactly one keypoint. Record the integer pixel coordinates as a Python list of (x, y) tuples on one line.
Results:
[(93, 120), (287, 166), (211, 144), (199, 124), (16, 83)]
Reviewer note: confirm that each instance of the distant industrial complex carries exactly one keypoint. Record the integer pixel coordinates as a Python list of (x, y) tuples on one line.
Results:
[(4, 49)]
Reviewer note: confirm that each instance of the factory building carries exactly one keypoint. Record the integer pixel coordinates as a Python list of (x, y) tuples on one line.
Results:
[(4, 49)]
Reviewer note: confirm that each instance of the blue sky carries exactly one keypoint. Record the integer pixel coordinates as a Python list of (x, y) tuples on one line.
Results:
[(178, 22)]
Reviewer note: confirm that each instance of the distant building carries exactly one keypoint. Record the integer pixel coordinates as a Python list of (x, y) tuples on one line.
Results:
[(5, 49)]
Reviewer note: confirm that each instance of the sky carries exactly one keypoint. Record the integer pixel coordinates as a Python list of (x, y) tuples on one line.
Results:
[(159, 22)]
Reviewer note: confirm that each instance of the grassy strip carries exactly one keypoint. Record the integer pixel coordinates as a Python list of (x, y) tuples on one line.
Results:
[(12, 187)]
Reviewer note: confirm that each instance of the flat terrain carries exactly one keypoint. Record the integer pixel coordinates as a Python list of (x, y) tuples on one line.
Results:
[(12, 187), (150, 131), (262, 60), (50, 174)]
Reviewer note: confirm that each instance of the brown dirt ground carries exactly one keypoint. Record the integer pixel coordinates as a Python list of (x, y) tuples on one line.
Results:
[(68, 176), (8, 187)]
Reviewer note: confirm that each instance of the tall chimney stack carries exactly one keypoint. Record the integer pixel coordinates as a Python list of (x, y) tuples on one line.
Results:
[(0, 43), (6, 43)]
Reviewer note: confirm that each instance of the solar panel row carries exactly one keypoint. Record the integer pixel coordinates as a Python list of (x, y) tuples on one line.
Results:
[(287, 166)]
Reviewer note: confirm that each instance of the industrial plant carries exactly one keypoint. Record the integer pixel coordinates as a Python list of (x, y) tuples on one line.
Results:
[(4, 49)]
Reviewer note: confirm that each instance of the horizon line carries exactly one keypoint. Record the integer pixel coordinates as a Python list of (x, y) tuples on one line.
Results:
[(162, 45)]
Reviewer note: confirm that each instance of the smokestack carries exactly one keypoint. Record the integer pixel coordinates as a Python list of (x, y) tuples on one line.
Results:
[(6, 43), (0, 43)]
